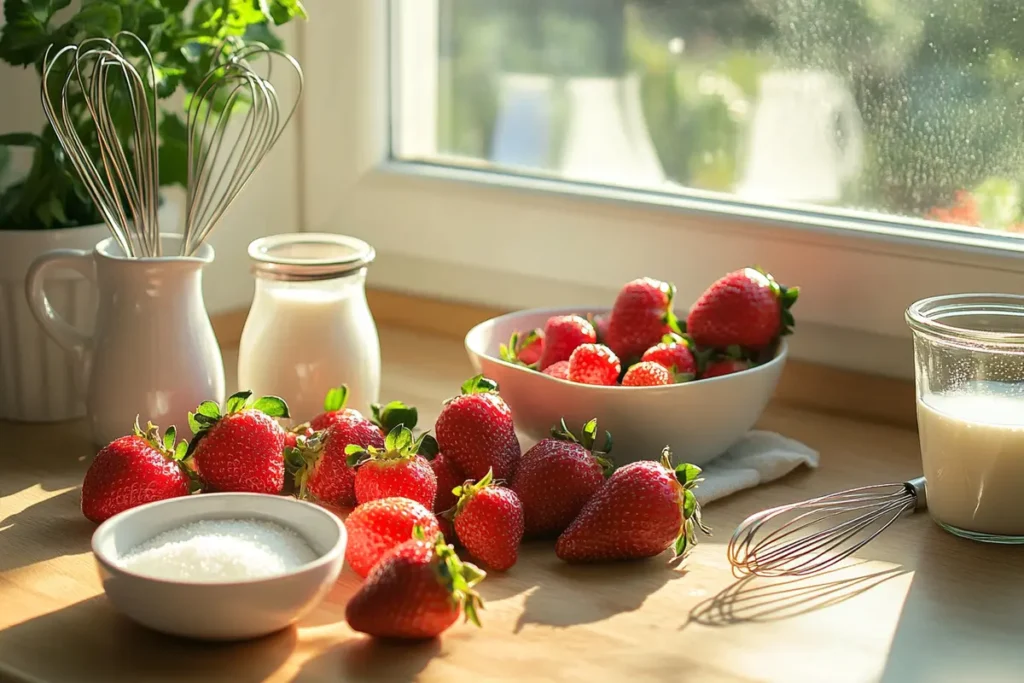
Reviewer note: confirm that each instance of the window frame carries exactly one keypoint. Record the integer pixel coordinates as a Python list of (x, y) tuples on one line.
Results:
[(510, 240)]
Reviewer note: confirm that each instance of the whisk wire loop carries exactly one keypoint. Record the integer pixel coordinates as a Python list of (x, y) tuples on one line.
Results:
[(811, 536)]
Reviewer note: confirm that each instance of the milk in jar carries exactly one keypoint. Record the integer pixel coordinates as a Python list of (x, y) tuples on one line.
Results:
[(310, 327), (972, 449)]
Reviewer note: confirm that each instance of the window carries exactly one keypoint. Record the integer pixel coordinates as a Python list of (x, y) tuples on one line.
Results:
[(897, 108), (541, 152)]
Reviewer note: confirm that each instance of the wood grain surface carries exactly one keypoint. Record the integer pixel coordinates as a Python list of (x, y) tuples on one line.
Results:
[(916, 605)]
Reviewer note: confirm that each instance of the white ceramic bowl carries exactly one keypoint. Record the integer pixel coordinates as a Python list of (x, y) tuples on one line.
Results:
[(219, 611), (698, 420)]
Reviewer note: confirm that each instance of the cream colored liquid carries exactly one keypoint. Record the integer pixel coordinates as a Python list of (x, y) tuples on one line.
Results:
[(298, 343), (972, 447)]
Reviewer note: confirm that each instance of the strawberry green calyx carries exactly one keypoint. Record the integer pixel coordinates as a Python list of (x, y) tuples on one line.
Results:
[(688, 476), (516, 343), (469, 489), (676, 325), (301, 460), (588, 439), (479, 385), (336, 398), (166, 446), (428, 447), (398, 445), (458, 576), (787, 296), (208, 413), (164, 443), (394, 414)]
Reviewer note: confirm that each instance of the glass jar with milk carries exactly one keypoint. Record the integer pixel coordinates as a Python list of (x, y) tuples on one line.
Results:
[(969, 355), (310, 328)]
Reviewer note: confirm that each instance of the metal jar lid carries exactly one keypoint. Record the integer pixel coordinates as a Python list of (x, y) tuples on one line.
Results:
[(308, 256)]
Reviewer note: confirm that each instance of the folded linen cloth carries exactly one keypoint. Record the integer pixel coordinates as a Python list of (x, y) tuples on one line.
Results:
[(760, 457)]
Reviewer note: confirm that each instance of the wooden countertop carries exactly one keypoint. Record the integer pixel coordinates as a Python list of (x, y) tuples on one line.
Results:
[(917, 605)]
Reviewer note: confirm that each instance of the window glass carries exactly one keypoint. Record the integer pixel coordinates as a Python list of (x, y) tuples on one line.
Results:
[(913, 108)]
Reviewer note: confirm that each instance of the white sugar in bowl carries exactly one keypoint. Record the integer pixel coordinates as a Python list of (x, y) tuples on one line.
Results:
[(213, 603)]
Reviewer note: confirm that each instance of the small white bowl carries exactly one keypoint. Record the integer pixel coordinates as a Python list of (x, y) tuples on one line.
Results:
[(698, 420), (224, 610)]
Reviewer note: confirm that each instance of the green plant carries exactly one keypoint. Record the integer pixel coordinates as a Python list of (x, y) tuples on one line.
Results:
[(181, 35)]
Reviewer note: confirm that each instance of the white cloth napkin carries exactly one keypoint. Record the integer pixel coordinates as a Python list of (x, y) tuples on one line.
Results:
[(760, 457)]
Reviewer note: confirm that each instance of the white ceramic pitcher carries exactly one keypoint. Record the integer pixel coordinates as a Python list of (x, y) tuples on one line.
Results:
[(153, 352), (806, 139)]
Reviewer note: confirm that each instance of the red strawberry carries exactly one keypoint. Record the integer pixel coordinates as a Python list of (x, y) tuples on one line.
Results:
[(447, 527), (242, 450), (562, 334), (642, 315), (489, 522), (746, 308), (600, 323), (475, 431), (133, 470), (393, 471), (594, 364), (376, 527), (639, 512), (557, 476), (675, 354), (319, 463), (726, 366), (647, 374), (448, 477), (523, 350), (559, 370), (418, 590), (335, 410), (291, 437)]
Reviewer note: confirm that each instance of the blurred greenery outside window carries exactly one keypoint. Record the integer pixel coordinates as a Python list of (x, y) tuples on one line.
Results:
[(899, 107)]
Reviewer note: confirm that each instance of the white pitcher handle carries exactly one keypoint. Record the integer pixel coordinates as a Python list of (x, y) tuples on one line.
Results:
[(851, 127), (66, 335)]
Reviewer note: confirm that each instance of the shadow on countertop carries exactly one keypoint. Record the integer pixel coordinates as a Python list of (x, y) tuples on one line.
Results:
[(88, 641), (50, 528)]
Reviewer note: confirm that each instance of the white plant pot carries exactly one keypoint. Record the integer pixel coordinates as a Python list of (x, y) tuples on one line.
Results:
[(38, 377)]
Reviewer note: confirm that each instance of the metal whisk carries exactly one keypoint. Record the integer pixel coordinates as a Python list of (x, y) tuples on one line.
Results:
[(124, 181), (234, 119), (813, 535)]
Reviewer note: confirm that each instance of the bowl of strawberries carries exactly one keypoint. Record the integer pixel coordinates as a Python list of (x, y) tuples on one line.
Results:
[(696, 382)]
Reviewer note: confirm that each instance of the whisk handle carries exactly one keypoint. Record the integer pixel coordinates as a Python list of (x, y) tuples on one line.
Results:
[(917, 488)]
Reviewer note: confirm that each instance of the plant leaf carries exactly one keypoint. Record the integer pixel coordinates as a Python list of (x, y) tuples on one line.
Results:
[(336, 398), (194, 425), (25, 34), (274, 406), (173, 155), (97, 19), (180, 450)]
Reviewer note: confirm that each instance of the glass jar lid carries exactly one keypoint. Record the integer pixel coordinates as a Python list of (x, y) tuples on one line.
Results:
[(306, 256)]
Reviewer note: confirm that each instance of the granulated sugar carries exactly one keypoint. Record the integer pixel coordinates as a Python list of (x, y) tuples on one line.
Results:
[(220, 550)]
